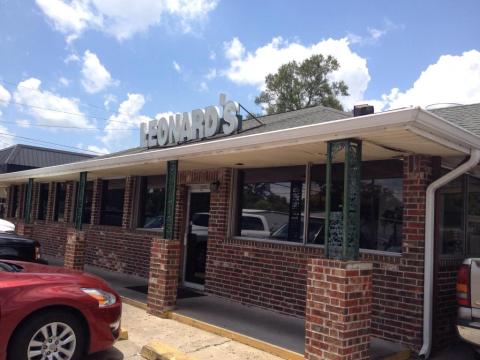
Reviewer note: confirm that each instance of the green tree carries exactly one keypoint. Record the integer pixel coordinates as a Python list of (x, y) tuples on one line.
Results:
[(297, 86)]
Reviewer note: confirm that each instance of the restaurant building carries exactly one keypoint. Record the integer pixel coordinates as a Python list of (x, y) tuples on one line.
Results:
[(356, 222)]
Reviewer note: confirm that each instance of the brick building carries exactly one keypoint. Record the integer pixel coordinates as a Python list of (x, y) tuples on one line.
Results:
[(244, 216)]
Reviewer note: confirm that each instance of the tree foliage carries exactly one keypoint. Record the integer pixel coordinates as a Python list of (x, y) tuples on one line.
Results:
[(297, 86)]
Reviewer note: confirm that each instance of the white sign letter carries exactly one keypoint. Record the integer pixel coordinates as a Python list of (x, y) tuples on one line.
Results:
[(175, 128), (212, 121), (152, 133), (198, 120), (143, 135), (230, 111), (186, 127), (162, 132)]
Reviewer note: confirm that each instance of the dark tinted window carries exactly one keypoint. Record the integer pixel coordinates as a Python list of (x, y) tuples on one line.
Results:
[(381, 208), (274, 197), (199, 219), (113, 192), (451, 205), (60, 201), (152, 202), (13, 210), (473, 223), (43, 201)]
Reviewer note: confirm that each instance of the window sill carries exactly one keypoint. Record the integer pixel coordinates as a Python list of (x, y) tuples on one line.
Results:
[(267, 241)]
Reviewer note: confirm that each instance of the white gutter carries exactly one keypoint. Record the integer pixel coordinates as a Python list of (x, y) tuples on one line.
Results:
[(429, 246)]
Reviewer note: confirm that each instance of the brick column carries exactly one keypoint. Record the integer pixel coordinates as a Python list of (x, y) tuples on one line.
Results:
[(417, 175), (338, 311), (25, 230), (164, 271), (96, 202), (75, 249), (52, 194), (35, 201), (128, 202), (69, 201)]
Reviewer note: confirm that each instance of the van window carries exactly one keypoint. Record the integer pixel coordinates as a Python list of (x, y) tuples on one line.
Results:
[(252, 223)]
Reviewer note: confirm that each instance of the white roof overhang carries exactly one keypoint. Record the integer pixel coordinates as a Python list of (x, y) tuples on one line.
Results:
[(385, 135)]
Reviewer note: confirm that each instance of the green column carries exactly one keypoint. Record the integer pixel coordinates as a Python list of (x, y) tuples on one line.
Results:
[(170, 199), (342, 222), (80, 200), (28, 202)]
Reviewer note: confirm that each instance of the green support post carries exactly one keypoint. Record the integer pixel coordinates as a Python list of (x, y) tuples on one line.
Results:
[(342, 226), (170, 199), (80, 203), (28, 202)]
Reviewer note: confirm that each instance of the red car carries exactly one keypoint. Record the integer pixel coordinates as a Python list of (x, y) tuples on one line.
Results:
[(51, 313)]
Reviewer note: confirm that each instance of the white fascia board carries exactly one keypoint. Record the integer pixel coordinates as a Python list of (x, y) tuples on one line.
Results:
[(337, 129)]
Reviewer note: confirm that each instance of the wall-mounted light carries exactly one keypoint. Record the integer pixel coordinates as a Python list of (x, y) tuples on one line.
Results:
[(214, 186)]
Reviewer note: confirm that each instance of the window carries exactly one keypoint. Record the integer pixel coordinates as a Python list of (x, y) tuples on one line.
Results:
[(113, 192), (271, 203), (451, 205), (381, 206), (152, 202), (60, 201), (43, 201), (13, 211), (473, 219)]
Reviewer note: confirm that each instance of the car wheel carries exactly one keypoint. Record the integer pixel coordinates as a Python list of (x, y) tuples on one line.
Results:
[(50, 335)]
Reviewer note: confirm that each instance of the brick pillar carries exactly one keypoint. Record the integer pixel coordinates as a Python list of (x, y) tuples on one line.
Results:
[(52, 194), (164, 271), (218, 224), (96, 202), (417, 175), (35, 201), (338, 311), (69, 201), (75, 249), (25, 230), (130, 183)]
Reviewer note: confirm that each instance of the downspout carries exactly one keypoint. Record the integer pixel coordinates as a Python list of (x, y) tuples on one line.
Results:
[(429, 246)]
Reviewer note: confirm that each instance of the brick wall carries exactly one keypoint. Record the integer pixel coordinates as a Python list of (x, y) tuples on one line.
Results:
[(445, 303)]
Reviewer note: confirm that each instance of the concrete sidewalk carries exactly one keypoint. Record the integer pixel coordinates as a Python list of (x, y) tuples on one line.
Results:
[(200, 345)]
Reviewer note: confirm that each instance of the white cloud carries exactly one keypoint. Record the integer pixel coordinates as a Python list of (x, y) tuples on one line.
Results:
[(120, 18), (177, 67), (38, 101), (374, 34), (234, 49), (97, 149), (212, 74), (212, 55), (64, 81), (250, 68), (71, 58), (203, 86), (23, 123), (4, 96), (452, 79), (109, 99), (128, 117), (6, 137), (95, 77)]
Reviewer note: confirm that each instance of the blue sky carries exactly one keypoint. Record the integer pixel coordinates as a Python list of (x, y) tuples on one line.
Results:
[(106, 66)]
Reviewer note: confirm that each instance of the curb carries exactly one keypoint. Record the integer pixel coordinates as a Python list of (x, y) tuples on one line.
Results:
[(135, 303), (157, 350)]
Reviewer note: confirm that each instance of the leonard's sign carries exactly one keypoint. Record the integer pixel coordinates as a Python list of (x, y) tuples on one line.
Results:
[(195, 125)]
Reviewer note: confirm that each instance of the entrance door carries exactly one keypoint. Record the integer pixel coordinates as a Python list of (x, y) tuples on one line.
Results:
[(196, 238)]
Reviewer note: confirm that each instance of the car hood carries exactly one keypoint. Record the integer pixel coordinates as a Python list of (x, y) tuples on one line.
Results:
[(59, 274)]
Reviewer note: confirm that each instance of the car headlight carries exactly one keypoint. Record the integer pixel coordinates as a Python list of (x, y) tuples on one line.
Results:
[(104, 298)]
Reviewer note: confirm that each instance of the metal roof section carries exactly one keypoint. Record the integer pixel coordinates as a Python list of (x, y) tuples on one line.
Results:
[(34, 156)]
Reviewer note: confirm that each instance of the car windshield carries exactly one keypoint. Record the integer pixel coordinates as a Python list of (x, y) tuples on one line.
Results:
[(7, 267)]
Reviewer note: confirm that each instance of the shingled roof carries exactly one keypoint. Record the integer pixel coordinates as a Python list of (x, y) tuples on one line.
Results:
[(21, 157), (466, 116)]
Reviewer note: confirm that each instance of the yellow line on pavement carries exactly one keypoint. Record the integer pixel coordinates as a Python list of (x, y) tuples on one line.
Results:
[(156, 350)]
